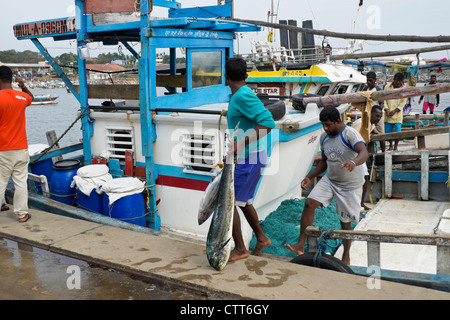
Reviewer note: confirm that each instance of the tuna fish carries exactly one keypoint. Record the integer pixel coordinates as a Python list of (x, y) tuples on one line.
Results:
[(209, 200), (218, 243)]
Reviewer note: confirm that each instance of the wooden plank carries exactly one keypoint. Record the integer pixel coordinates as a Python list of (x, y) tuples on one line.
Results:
[(109, 6), (410, 133), (424, 176), (388, 237), (443, 260), (130, 91), (388, 174), (389, 37), (405, 92)]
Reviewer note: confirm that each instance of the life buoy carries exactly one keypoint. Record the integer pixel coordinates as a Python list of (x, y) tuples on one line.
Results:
[(326, 262), (276, 107)]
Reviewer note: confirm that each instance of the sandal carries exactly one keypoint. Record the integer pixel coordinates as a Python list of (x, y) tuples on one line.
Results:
[(25, 218), (4, 207)]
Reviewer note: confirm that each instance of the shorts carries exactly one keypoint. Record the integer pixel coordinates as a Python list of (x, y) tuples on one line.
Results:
[(427, 105), (247, 174), (348, 202), (392, 127)]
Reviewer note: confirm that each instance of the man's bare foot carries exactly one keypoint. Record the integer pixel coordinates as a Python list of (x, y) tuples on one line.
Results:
[(365, 207), (295, 248), (237, 255), (346, 260), (261, 245)]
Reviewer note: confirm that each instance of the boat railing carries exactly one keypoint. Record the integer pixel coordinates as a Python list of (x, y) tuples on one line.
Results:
[(374, 238), (270, 53)]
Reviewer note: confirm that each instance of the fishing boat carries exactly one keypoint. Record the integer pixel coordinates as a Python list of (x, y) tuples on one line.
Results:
[(44, 99), (175, 142), (171, 131)]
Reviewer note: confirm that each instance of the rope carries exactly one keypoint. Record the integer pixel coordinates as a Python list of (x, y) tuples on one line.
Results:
[(322, 245), (43, 153)]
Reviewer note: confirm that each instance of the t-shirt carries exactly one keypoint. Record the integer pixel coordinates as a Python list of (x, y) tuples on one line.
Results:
[(392, 105), (13, 134), (247, 109), (339, 149)]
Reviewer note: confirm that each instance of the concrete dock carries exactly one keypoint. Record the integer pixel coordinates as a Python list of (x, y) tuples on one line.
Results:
[(184, 264)]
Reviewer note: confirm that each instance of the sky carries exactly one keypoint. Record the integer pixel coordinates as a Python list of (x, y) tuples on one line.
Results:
[(396, 17)]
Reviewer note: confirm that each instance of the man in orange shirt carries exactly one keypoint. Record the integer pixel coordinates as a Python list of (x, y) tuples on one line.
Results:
[(14, 155)]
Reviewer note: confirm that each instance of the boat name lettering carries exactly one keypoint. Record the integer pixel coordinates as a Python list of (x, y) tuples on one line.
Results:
[(267, 90), (291, 73), (191, 33), (45, 28)]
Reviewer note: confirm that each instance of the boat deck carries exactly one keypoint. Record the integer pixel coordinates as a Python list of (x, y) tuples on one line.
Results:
[(184, 264), (408, 217)]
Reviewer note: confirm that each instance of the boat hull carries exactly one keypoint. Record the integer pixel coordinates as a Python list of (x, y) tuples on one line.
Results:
[(183, 173)]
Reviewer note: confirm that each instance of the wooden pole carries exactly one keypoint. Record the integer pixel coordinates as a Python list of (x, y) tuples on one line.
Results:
[(395, 38), (389, 53), (406, 92)]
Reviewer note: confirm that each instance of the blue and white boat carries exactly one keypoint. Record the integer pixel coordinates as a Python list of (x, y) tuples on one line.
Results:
[(171, 122)]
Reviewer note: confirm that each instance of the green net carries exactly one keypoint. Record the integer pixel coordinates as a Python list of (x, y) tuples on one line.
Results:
[(282, 226)]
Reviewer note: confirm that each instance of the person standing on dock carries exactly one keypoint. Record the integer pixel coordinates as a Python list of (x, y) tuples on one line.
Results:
[(375, 128), (14, 155), (430, 101), (255, 122), (343, 154), (394, 110)]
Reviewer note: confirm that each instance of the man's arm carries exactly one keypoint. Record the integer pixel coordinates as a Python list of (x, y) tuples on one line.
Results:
[(361, 158), (259, 132), (23, 87), (320, 168)]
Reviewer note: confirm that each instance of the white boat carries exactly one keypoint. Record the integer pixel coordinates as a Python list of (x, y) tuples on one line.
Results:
[(44, 99), (178, 140)]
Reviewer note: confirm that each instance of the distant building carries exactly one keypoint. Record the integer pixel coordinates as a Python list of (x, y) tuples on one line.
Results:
[(103, 71), (31, 69)]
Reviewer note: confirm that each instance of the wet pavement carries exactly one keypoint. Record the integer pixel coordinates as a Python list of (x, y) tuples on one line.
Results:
[(165, 261), (30, 273)]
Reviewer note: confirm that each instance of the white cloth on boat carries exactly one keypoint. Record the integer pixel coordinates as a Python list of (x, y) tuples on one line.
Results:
[(91, 177), (122, 187)]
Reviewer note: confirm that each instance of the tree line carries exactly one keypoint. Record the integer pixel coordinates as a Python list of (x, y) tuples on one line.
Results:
[(65, 59)]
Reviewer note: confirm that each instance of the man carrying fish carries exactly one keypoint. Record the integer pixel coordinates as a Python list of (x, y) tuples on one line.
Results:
[(343, 153), (255, 122)]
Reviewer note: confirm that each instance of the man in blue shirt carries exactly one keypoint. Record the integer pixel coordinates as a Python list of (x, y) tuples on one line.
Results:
[(255, 122)]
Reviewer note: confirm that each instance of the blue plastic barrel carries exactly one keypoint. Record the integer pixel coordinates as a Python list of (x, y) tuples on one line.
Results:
[(92, 203), (91, 176), (60, 189), (130, 209), (41, 167)]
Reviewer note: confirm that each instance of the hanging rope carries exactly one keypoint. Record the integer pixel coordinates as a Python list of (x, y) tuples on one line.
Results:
[(322, 245), (43, 153)]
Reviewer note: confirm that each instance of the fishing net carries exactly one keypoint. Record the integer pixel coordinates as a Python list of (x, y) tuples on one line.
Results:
[(283, 226)]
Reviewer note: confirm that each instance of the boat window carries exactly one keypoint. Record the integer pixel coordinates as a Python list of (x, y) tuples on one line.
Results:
[(206, 68), (340, 89), (323, 90)]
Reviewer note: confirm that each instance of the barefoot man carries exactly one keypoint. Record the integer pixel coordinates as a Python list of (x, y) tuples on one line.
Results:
[(343, 153), (255, 122)]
